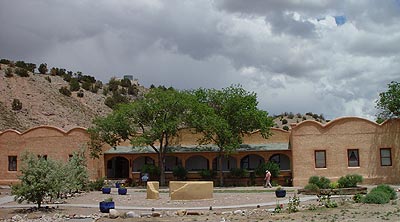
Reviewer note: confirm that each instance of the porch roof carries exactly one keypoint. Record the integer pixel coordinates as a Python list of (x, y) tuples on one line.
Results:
[(202, 148)]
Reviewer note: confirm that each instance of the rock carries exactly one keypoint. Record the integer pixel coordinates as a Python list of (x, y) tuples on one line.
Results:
[(16, 218), (131, 214), (113, 214), (193, 213), (156, 214), (181, 213), (145, 215), (236, 212)]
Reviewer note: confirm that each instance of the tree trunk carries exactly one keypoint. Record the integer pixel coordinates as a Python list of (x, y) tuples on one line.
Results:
[(221, 174), (161, 166)]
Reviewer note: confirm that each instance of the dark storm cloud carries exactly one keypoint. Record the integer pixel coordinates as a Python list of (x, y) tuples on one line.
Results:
[(292, 53)]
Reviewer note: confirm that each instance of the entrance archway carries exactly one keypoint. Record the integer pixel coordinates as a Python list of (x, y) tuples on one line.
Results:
[(196, 163), (282, 160), (228, 163), (171, 162), (140, 162), (118, 167), (251, 161)]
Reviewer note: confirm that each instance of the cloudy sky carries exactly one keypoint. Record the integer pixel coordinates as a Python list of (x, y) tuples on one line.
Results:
[(320, 56)]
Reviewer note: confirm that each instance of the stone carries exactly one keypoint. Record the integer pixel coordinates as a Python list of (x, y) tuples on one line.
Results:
[(113, 214), (193, 213), (145, 215), (236, 212), (156, 214), (16, 218), (181, 213), (131, 214)]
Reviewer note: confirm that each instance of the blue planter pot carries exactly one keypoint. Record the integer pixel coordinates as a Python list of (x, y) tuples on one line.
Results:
[(280, 193), (106, 190), (106, 206), (117, 185), (122, 191)]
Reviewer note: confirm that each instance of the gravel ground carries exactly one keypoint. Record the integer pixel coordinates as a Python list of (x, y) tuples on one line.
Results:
[(136, 201)]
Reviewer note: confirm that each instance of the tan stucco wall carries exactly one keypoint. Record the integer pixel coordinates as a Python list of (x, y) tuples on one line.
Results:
[(336, 138), (277, 136), (44, 140), (153, 190), (191, 190), (190, 137)]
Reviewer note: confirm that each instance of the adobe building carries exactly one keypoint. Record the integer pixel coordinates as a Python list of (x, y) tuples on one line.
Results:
[(348, 145), (343, 146), (44, 141)]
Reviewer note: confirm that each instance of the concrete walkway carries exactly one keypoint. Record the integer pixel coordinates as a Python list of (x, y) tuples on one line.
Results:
[(9, 199), (6, 199)]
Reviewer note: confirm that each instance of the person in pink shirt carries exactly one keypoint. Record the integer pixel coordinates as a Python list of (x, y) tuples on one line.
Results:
[(267, 179)]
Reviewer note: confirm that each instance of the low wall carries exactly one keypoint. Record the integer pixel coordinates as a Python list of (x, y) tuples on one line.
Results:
[(153, 190), (190, 190)]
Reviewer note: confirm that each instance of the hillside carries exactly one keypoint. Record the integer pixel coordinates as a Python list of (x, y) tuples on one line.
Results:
[(284, 120), (43, 104)]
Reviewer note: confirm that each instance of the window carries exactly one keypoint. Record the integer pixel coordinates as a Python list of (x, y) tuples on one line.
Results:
[(353, 158), (386, 157), (12, 163), (320, 159)]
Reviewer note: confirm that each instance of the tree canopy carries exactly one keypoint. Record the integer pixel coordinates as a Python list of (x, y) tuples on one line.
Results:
[(232, 112), (150, 121), (42, 178), (389, 102), (222, 116)]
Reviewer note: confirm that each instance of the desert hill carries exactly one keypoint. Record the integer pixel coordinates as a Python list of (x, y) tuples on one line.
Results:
[(284, 120), (43, 104)]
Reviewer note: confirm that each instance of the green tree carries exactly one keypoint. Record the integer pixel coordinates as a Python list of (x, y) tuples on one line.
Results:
[(21, 64), (151, 121), (36, 181), (113, 84), (64, 90), (231, 113), (116, 99), (43, 68), (133, 90), (86, 85), (16, 104), (74, 85), (125, 83), (31, 67), (9, 72), (77, 177), (389, 101)]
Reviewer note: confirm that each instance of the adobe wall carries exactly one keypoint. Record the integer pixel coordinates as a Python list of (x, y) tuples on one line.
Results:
[(44, 140), (277, 136), (336, 138), (190, 137)]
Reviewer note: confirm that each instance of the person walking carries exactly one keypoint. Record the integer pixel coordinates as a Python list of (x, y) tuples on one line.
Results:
[(267, 179)]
